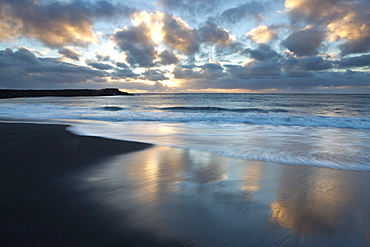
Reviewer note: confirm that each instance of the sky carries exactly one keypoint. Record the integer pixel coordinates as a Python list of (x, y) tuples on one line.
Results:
[(291, 46)]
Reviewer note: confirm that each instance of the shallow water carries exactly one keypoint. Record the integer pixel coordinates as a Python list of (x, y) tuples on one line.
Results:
[(300, 129), (203, 199)]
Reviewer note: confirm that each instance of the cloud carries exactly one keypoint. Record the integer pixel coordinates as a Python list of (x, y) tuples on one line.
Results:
[(178, 35), (213, 34), (212, 70), (140, 41), (186, 72), (234, 48), (70, 53), (121, 65), (98, 65), (154, 31), (123, 73), (256, 77), (358, 45), (138, 45), (153, 75), (262, 53), (250, 9), (307, 64), (360, 61), (255, 69), (103, 57), (313, 10), (305, 42), (22, 69), (54, 23), (345, 21), (199, 7), (262, 34), (168, 57)]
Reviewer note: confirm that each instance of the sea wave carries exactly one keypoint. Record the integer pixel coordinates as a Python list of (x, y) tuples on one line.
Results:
[(221, 109), (311, 121), (246, 118), (346, 149), (115, 113), (112, 108)]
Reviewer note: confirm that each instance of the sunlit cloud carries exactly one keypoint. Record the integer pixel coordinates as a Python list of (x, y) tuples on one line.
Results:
[(261, 34), (346, 21)]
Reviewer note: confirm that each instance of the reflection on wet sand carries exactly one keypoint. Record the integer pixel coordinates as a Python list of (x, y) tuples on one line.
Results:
[(322, 205), (208, 200)]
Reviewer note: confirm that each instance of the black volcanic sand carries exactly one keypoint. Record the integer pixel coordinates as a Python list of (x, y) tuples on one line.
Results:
[(58, 189)]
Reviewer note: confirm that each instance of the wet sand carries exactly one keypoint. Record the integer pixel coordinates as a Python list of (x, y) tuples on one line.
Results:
[(59, 189)]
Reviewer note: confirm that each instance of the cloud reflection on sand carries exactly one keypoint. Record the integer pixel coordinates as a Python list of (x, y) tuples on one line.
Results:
[(210, 200)]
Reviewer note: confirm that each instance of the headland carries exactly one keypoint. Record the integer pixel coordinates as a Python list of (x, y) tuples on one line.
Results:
[(17, 93)]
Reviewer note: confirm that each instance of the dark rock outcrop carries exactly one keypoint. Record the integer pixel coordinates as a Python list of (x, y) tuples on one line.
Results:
[(16, 93)]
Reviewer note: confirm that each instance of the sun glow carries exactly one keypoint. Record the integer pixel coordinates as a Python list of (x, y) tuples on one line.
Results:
[(152, 21)]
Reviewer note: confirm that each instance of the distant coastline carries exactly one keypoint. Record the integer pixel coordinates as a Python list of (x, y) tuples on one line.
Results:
[(18, 93)]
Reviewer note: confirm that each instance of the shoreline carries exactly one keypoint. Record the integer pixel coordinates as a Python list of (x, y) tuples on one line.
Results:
[(60, 189)]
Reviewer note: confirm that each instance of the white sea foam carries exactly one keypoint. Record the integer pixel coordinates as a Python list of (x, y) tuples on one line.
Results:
[(347, 149), (119, 114)]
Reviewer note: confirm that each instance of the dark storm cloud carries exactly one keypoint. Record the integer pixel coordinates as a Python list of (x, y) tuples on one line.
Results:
[(98, 65), (54, 23), (307, 63), (295, 81), (186, 72), (255, 70), (262, 53), (22, 68), (286, 74), (298, 73), (153, 75), (103, 58), (235, 47), (123, 73), (241, 12), (360, 61), (121, 65), (305, 42), (70, 53), (23, 56), (138, 45), (214, 34), (356, 46), (212, 70), (168, 57)]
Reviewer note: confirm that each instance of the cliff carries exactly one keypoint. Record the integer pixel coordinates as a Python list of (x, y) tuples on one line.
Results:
[(16, 93)]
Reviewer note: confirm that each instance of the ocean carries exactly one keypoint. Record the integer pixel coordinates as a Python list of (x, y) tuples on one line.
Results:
[(324, 130)]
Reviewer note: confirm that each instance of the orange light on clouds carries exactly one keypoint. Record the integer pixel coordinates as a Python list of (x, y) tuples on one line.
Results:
[(261, 34), (153, 21), (348, 28)]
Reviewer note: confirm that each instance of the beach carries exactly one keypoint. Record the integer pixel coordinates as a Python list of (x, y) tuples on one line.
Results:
[(60, 189)]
